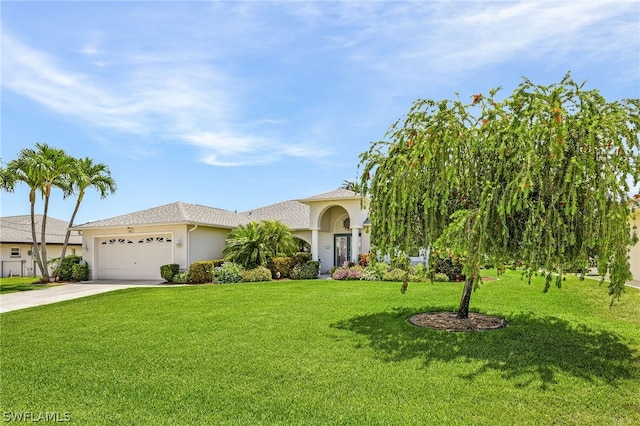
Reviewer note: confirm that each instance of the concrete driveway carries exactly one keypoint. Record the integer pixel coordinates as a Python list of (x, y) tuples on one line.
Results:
[(27, 299)]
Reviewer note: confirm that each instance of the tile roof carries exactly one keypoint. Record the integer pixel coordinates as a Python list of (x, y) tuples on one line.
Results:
[(17, 229), (292, 213), (173, 213), (337, 194)]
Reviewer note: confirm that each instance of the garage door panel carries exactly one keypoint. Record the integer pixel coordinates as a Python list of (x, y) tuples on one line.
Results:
[(133, 257)]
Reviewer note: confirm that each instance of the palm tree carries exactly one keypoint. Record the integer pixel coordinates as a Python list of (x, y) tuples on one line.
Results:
[(245, 246), (40, 169), (278, 238), (351, 186), (86, 174)]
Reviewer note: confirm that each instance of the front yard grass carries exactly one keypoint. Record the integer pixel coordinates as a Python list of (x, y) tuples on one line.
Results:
[(326, 352), (13, 284)]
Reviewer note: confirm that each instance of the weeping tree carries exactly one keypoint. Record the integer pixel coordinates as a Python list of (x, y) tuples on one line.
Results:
[(541, 177)]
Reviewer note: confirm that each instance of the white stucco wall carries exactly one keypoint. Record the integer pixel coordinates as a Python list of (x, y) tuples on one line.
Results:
[(24, 264), (205, 243)]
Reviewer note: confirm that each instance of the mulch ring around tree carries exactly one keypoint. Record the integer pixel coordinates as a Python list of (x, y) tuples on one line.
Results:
[(447, 321)]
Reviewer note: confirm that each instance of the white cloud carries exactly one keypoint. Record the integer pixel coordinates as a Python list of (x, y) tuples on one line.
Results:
[(176, 96)]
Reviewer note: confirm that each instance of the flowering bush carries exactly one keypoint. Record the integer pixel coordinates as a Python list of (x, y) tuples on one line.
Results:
[(347, 272), (305, 271), (375, 271)]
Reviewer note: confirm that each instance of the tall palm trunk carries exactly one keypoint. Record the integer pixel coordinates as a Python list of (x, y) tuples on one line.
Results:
[(43, 232), (68, 234), (36, 251)]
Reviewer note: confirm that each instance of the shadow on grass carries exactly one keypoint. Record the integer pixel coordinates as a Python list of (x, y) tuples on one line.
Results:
[(531, 350), (14, 288)]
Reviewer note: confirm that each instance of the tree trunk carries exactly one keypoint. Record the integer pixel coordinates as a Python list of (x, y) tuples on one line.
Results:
[(36, 248), (68, 234), (463, 310)]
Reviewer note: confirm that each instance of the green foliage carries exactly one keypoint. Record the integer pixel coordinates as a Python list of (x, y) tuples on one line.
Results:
[(281, 266), (202, 271), (277, 238), (447, 262), (305, 271), (440, 277), (65, 271), (541, 176), (181, 278), (375, 271), (228, 273), (419, 273), (401, 261), (46, 168), (80, 271), (396, 274), (255, 243), (260, 273), (301, 257), (167, 272)]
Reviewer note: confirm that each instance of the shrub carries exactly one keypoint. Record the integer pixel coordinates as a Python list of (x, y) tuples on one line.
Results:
[(366, 259), (229, 272), (439, 277), (419, 273), (305, 271), (202, 271), (401, 261), (301, 257), (260, 273), (375, 271), (281, 266), (167, 272), (65, 272), (80, 271), (181, 278), (348, 273), (447, 262), (395, 274)]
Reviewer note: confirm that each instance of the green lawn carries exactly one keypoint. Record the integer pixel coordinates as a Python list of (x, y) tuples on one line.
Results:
[(326, 352), (13, 284)]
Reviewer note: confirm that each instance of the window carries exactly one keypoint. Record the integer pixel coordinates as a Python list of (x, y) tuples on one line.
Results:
[(15, 251)]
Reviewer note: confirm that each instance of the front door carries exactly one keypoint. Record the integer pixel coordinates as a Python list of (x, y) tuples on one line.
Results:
[(342, 253)]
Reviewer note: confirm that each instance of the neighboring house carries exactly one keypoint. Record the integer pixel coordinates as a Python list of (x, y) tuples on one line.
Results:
[(135, 245), (16, 243)]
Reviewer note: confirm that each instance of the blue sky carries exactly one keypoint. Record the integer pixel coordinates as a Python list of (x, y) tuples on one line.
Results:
[(238, 105)]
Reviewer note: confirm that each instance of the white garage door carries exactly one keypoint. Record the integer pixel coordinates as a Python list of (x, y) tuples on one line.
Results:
[(136, 257)]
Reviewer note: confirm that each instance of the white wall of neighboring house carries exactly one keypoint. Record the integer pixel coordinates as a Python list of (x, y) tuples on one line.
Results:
[(23, 264)]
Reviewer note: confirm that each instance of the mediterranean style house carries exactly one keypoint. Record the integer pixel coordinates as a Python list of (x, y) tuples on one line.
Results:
[(333, 226), (16, 243), (134, 246)]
